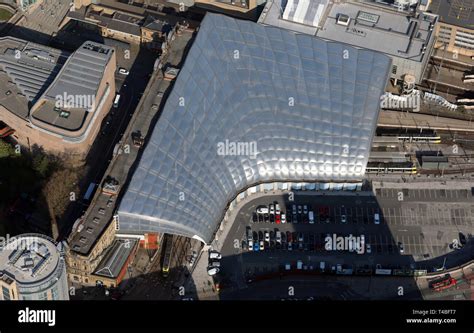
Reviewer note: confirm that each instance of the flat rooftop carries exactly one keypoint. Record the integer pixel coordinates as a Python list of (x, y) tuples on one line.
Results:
[(29, 258), (454, 12), (385, 30), (26, 70), (80, 78)]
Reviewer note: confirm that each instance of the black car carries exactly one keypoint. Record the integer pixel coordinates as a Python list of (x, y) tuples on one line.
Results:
[(254, 218), (266, 217), (300, 237), (261, 218), (289, 218), (254, 236), (272, 218), (294, 236), (260, 235), (462, 239), (283, 237), (294, 219), (272, 235)]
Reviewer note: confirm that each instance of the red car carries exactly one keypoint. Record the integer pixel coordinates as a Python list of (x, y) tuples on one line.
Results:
[(277, 218)]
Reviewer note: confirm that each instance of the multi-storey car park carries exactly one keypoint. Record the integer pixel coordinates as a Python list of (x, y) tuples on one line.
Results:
[(307, 106), (32, 267), (52, 99)]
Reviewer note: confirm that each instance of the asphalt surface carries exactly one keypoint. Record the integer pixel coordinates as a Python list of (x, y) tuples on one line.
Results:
[(425, 221)]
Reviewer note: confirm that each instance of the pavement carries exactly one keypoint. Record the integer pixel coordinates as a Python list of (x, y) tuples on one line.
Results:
[(426, 221)]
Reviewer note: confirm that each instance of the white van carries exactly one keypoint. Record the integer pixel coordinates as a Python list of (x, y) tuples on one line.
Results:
[(214, 255), (311, 217), (299, 264), (116, 100), (376, 218), (262, 210)]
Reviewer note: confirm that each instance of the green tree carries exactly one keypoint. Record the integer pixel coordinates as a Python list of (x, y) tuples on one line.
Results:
[(5, 149)]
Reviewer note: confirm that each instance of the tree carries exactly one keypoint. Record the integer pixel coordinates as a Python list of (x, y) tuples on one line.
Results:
[(57, 192), (5, 149), (41, 164)]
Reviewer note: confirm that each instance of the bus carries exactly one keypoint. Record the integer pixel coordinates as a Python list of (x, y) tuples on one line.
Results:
[(168, 246), (442, 283), (89, 192)]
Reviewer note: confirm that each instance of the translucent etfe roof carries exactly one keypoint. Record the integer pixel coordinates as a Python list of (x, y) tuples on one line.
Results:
[(252, 104)]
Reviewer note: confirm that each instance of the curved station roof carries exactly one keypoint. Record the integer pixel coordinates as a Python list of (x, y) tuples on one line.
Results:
[(253, 104)]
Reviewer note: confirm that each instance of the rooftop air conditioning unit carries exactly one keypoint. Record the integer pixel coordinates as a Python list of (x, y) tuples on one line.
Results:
[(343, 19)]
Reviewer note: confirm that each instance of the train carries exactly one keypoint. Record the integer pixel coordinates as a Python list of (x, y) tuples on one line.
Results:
[(410, 135), (391, 167)]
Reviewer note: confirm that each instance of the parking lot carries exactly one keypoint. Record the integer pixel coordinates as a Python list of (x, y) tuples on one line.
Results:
[(419, 231)]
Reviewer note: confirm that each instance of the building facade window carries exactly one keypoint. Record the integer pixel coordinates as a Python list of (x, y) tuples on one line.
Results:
[(6, 293)]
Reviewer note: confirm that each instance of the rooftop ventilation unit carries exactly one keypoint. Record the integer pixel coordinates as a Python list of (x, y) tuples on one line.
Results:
[(343, 19)]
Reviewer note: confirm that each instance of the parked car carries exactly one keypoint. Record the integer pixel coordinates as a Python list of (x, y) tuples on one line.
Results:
[(250, 245), (377, 218), (277, 209), (260, 235), (305, 209), (290, 246), (343, 218), (123, 71), (272, 218), (311, 217), (215, 264), (272, 209), (368, 249), (300, 237), (293, 209), (294, 219), (300, 209), (267, 236), (283, 218), (215, 255), (262, 246), (277, 219), (256, 247), (278, 237), (288, 236), (262, 210), (254, 236), (299, 264), (213, 271), (322, 266), (400, 247), (254, 218), (283, 237)]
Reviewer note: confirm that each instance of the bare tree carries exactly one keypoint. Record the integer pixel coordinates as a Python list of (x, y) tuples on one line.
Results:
[(57, 192)]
